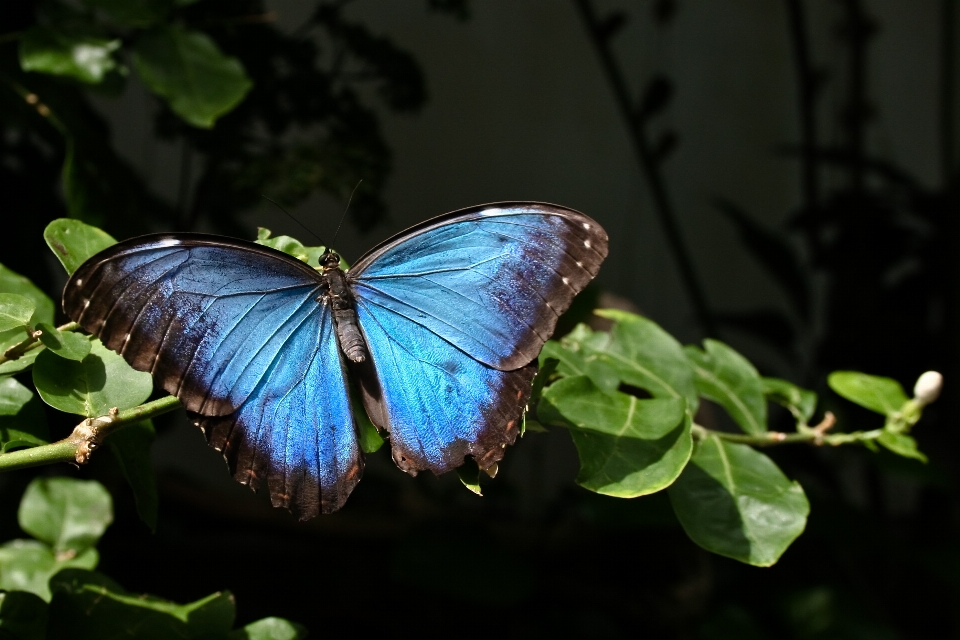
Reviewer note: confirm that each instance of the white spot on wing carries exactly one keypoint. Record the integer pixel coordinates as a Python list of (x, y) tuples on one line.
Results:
[(566, 280), (579, 264), (86, 303), (168, 242), (493, 211), (79, 282), (586, 225), (586, 243)]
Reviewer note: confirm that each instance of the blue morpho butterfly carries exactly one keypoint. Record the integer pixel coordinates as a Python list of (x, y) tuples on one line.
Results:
[(440, 327)]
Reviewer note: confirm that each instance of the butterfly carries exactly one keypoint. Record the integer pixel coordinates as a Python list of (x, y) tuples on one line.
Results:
[(439, 328)]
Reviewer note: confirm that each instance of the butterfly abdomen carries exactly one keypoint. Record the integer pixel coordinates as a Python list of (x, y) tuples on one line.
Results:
[(337, 295)]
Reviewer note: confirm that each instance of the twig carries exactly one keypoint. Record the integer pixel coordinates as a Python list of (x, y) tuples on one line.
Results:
[(17, 350), (86, 436), (816, 435)]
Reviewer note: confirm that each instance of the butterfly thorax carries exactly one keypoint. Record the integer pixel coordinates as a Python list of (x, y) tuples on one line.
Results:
[(335, 292)]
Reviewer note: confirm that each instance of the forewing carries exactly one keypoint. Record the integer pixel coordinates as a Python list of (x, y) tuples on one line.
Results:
[(491, 280), (234, 330), (438, 403)]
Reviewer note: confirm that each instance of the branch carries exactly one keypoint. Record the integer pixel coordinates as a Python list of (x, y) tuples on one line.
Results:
[(31, 342), (813, 435), (86, 436)]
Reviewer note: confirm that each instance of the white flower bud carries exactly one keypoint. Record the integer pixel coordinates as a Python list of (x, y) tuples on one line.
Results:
[(928, 387)]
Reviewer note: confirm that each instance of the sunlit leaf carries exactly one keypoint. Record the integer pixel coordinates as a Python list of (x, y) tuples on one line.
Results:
[(269, 629), (628, 447), (734, 501), (81, 54), (15, 311), (103, 380), (28, 565), (189, 71), (131, 447), (647, 357), (883, 395), (727, 378), (290, 246), (73, 241), (573, 361), (13, 282), (68, 514), (66, 344)]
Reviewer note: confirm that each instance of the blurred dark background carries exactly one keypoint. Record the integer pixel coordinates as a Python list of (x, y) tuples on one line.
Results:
[(782, 175)]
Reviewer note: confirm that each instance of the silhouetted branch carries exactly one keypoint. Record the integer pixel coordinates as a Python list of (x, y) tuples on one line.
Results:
[(600, 31), (807, 94)]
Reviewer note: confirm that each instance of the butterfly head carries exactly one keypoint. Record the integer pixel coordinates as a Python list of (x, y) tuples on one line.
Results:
[(329, 260)]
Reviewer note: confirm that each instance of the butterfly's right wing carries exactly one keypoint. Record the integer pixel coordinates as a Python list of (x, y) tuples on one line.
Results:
[(234, 330)]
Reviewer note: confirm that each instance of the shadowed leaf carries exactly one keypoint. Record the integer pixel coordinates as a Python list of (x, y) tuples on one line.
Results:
[(734, 501), (628, 447)]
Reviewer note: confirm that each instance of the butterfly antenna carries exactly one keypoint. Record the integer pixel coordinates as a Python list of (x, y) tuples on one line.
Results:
[(344, 216), (305, 228)]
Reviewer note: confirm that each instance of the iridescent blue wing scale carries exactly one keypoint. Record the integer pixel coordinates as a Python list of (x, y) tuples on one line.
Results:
[(454, 312), (236, 332)]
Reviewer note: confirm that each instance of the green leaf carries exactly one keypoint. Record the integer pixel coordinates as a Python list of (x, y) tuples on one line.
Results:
[(28, 565), (469, 474), (573, 361), (66, 344), (370, 438), (269, 629), (13, 282), (734, 501), (15, 311), (628, 447), (901, 444), (131, 447), (89, 606), (727, 378), (73, 241), (800, 402), (70, 515), (290, 246), (22, 420), (23, 616), (80, 54), (189, 71), (882, 395), (22, 363), (133, 13), (547, 369), (646, 356), (90, 388), (13, 396)]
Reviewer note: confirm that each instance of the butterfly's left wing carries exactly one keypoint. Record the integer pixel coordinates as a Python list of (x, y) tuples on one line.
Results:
[(454, 312), (236, 332)]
